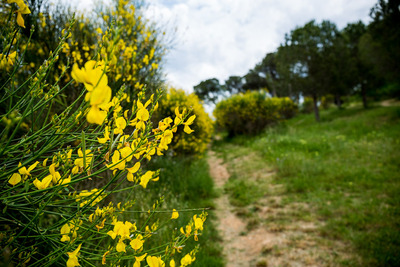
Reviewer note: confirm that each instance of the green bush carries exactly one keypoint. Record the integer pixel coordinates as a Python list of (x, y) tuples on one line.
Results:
[(184, 144), (308, 105), (251, 112)]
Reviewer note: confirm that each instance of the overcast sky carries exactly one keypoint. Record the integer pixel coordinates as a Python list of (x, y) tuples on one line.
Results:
[(221, 38)]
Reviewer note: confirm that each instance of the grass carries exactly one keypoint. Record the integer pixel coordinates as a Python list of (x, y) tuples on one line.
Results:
[(185, 183), (347, 168)]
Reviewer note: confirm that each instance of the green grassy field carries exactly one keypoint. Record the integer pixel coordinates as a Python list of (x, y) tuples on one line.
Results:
[(346, 168)]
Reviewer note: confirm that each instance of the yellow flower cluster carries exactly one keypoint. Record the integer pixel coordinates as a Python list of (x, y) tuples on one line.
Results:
[(76, 156), (200, 130), (7, 60)]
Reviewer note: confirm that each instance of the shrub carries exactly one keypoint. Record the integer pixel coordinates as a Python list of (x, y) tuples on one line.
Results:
[(182, 143), (308, 105), (251, 112), (63, 170)]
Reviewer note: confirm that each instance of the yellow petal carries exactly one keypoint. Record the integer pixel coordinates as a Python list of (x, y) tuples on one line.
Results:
[(78, 74), (96, 116), (33, 166), (121, 246), (134, 169), (187, 130), (15, 179), (190, 120), (20, 20)]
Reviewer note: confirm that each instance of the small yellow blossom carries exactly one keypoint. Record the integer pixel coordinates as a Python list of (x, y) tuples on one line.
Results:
[(144, 180), (175, 214), (187, 260), (137, 243), (198, 223), (106, 136), (44, 183), (138, 260), (120, 246), (25, 171), (131, 171), (154, 261), (73, 257), (187, 123)]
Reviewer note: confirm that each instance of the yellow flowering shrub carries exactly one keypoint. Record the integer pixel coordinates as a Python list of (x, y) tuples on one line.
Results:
[(133, 49), (251, 112), (200, 129), (62, 169)]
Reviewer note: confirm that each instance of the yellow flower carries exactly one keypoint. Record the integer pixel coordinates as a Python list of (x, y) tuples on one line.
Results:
[(23, 9), (103, 260), (65, 230), (131, 171), (44, 183), (139, 259), (73, 257), (90, 75), (7, 61), (198, 223), (96, 116), (121, 229), (137, 243), (120, 246), (175, 214), (15, 179), (172, 263), (154, 261), (187, 123), (142, 113), (56, 175), (187, 260), (120, 125), (178, 117), (106, 136), (146, 178), (88, 158), (188, 230), (25, 171), (99, 93)]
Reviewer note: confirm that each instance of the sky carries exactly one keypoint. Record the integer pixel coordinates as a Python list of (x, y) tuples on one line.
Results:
[(222, 38)]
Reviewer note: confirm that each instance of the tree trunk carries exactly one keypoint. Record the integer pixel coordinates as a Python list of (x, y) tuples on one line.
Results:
[(338, 101), (316, 110), (364, 95)]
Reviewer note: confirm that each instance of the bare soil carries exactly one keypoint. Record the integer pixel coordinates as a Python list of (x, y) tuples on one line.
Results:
[(270, 232)]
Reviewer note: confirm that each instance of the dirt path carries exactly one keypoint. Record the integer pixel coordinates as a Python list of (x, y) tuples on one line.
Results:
[(269, 232)]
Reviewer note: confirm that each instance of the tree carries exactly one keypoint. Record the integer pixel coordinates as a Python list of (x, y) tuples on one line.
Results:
[(385, 33), (363, 79), (267, 67), (254, 80), (209, 90), (304, 60), (234, 84)]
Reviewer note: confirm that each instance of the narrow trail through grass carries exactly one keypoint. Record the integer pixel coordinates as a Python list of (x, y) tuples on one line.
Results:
[(313, 194), (257, 227)]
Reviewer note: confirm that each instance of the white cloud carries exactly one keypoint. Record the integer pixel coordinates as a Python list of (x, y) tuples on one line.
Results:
[(219, 38)]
